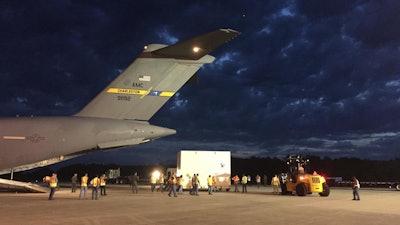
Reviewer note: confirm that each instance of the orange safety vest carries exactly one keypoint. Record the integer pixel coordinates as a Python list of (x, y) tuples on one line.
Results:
[(214, 181), (172, 180), (236, 179)]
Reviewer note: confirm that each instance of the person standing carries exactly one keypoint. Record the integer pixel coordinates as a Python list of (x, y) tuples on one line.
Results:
[(153, 182), (198, 184), (195, 184), (236, 181), (74, 182), (103, 185), (356, 188), (135, 180), (244, 184), (275, 184), (161, 181), (84, 180), (258, 180), (52, 183), (95, 182), (209, 184)]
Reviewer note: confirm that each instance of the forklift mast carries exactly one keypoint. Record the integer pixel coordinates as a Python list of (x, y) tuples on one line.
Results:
[(294, 162)]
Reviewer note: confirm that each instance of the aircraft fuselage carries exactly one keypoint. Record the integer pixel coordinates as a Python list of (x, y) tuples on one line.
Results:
[(32, 139)]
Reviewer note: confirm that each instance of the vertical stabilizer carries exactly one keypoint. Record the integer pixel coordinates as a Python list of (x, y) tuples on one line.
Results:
[(154, 77)]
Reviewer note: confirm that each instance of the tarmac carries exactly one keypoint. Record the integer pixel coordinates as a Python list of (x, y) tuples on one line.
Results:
[(258, 206)]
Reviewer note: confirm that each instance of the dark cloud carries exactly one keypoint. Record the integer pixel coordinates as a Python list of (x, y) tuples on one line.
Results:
[(304, 76)]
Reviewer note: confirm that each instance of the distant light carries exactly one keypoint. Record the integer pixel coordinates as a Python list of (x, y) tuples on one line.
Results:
[(196, 49), (145, 47), (156, 174)]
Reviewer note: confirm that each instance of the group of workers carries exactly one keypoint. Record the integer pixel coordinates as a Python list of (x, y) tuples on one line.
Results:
[(174, 184), (246, 179), (96, 183)]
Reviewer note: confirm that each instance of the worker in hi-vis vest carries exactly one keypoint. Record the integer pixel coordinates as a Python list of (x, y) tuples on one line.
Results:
[(103, 185), (95, 182), (84, 180), (52, 183)]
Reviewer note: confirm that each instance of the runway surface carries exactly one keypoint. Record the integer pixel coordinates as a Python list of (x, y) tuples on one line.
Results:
[(258, 206)]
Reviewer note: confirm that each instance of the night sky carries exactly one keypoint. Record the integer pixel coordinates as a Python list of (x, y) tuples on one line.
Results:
[(306, 77)]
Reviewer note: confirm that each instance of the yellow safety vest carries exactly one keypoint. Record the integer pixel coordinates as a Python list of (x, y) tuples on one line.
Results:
[(244, 180), (102, 182), (275, 181), (95, 182), (209, 181), (53, 182), (84, 180)]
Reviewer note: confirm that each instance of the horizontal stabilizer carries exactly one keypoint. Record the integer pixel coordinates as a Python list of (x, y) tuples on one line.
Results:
[(195, 48)]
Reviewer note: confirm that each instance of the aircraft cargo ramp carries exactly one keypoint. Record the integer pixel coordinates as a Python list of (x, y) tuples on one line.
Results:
[(17, 186)]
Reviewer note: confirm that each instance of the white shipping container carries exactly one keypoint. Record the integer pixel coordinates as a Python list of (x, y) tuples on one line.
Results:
[(205, 163)]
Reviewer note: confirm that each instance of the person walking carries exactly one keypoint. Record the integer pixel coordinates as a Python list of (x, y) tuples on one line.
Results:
[(356, 188), (84, 181), (210, 184), (53, 180), (179, 184), (95, 182), (172, 182)]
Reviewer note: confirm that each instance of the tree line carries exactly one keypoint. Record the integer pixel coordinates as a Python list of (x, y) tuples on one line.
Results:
[(364, 169)]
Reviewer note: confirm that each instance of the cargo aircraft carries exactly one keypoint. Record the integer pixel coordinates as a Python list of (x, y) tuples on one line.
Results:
[(118, 116)]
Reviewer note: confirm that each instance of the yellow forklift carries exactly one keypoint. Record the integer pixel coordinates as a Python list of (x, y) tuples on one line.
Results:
[(298, 180)]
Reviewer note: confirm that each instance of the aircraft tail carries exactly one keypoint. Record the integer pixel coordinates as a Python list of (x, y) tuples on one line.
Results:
[(154, 77)]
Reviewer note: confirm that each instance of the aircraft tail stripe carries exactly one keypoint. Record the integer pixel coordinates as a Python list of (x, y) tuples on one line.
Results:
[(128, 91)]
